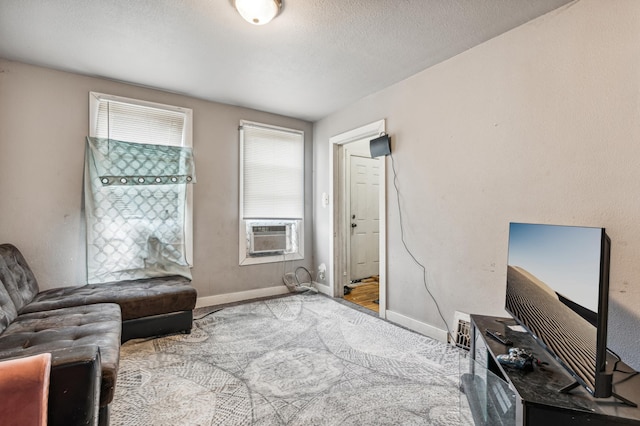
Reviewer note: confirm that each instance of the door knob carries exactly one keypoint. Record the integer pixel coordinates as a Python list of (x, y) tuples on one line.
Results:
[(353, 225)]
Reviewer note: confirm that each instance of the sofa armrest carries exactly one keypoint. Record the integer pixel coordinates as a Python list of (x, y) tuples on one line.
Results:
[(74, 387)]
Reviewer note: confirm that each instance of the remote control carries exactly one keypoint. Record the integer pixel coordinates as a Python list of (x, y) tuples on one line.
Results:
[(499, 337)]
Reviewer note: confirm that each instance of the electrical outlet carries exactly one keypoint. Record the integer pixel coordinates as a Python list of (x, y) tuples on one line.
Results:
[(322, 269)]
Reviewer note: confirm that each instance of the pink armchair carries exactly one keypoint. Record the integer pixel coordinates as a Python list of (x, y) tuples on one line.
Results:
[(24, 390)]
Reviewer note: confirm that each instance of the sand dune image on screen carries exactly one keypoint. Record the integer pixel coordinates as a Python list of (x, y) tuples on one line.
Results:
[(563, 331)]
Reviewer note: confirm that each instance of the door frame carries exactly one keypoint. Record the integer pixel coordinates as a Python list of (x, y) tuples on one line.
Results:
[(338, 219)]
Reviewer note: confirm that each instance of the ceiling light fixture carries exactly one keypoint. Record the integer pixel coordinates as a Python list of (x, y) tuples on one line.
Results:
[(258, 12)]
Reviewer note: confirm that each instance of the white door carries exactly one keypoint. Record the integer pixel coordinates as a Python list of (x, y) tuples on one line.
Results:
[(364, 216)]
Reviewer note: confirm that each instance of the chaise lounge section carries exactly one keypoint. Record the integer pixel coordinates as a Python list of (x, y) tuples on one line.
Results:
[(149, 307)]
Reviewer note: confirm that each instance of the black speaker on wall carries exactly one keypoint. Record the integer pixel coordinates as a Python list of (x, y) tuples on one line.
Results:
[(380, 146)]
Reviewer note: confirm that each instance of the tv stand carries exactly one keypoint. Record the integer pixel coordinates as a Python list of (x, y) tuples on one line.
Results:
[(541, 395)]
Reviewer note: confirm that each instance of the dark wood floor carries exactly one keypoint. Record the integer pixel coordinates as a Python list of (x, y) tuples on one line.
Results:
[(365, 294)]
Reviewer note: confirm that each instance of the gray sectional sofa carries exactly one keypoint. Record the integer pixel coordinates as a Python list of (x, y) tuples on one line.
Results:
[(82, 327)]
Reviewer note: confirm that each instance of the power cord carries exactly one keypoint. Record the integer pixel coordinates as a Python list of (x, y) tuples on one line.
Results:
[(294, 284), (284, 264), (207, 314), (404, 243)]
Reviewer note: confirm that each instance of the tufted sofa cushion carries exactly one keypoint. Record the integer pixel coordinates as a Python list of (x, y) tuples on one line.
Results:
[(137, 298), (16, 276), (39, 332), (7, 308)]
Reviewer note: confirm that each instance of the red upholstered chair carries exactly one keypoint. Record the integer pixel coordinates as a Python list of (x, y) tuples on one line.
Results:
[(24, 390)]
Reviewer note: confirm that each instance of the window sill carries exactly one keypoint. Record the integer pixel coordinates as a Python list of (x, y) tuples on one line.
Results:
[(256, 260)]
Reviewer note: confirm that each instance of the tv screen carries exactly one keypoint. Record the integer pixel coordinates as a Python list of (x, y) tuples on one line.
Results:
[(557, 288)]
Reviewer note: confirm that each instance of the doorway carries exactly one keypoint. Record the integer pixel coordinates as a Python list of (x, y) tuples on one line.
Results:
[(362, 198), (358, 220)]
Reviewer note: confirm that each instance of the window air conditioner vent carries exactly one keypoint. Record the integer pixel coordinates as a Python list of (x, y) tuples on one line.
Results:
[(268, 239)]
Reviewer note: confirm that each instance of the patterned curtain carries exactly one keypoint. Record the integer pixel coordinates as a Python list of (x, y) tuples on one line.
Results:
[(135, 200)]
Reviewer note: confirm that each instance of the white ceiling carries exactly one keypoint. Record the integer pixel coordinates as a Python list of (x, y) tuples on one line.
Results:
[(316, 57)]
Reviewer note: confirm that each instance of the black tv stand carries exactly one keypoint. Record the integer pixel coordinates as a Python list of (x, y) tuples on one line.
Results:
[(541, 396)]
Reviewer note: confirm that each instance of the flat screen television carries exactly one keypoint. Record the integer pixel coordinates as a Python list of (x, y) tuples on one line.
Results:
[(558, 288)]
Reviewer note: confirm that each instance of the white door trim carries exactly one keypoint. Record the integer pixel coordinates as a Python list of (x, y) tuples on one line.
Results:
[(338, 220)]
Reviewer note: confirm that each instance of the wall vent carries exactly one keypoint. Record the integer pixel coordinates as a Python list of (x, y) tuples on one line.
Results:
[(268, 239), (462, 330)]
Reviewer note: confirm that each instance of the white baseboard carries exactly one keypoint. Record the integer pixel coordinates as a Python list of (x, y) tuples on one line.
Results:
[(323, 288), (417, 326), (241, 296)]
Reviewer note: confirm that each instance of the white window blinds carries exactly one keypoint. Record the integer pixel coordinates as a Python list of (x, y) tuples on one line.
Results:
[(139, 123), (272, 172)]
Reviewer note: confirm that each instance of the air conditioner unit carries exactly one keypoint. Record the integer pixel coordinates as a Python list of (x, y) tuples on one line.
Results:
[(267, 239)]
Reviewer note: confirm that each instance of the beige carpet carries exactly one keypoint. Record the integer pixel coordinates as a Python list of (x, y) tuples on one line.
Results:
[(299, 360)]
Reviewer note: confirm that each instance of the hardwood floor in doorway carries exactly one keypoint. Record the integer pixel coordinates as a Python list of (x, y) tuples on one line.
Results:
[(366, 294)]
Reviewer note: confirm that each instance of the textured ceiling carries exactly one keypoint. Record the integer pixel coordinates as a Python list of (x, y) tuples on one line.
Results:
[(316, 57)]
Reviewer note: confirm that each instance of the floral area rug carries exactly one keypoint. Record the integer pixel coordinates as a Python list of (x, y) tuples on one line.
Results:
[(298, 360)]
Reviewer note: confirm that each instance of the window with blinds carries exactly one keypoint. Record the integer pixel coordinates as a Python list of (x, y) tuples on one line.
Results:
[(138, 121), (271, 192), (137, 230)]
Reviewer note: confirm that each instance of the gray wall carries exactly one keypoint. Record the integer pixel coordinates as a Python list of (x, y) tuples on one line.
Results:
[(44, 118), (541, 124)]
